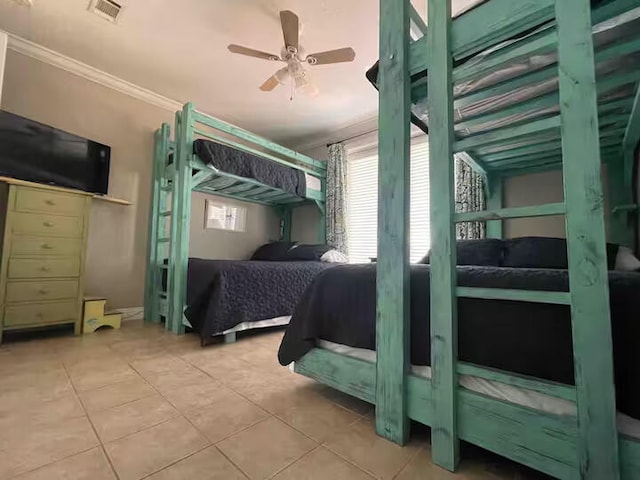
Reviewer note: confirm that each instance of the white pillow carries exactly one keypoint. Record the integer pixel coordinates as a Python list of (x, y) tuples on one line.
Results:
[(334, 256), (626, 260)]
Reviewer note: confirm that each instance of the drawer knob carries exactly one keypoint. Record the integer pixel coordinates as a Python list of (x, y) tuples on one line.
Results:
[(46, 246), (45, 269), (42, 291), (50, 202), (47, 224)]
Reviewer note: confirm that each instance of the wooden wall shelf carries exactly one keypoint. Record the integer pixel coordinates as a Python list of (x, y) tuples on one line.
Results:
[(106, 198)]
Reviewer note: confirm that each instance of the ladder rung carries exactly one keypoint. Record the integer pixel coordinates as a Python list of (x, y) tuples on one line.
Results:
[(554, 389), (166, 188), (536, 296), (515, 212), (166, 213), (163, 240)]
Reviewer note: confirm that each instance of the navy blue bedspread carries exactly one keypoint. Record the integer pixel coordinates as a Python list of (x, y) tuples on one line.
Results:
[(243, 164), (527, 338), (224, 293)]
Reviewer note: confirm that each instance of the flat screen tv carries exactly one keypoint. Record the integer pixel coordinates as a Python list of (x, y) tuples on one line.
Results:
[(39, 153)]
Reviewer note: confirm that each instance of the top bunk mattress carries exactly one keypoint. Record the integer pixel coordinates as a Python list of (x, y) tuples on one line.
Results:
[(476, 109), (243, 164)]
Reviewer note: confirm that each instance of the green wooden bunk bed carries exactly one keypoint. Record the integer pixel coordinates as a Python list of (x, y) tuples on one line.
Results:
[(575, 126), (178, 171)]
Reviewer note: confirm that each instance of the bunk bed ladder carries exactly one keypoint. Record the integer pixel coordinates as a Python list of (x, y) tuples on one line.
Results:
[(182, 184), (597, 442), (158, 241)]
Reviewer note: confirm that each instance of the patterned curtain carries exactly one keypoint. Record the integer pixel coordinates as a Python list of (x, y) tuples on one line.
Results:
[(469, 198), (337, 197)]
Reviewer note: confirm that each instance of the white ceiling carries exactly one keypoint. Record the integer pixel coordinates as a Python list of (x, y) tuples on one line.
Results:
[(178, 49)]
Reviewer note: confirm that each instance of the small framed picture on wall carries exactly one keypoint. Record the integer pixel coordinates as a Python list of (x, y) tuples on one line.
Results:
[(224, 216)]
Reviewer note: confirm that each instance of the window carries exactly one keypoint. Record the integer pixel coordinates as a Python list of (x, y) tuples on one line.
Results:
[(362, 201), (223, 216)]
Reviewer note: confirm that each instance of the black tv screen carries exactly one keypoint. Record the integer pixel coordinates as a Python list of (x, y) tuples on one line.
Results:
[(39, 153)]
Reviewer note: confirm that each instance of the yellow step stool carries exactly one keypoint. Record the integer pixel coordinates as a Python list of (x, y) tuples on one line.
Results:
[(95, 317)]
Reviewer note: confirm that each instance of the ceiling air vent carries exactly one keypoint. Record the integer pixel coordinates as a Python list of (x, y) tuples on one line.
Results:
[(107, 9)]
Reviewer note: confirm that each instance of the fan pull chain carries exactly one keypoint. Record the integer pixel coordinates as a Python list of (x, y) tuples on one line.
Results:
[(293, 89)]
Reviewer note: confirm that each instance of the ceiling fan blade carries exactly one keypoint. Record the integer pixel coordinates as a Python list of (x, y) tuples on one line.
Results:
[(269, 84), (332, 56), (250, 52), (290, 29)]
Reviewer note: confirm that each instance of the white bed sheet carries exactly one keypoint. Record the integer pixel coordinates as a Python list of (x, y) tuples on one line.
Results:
[(313, 183), (270, 322), (539, 401)]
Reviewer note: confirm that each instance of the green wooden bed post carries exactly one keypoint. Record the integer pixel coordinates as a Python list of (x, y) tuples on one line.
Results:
[(322, 223), (154, 260), (285, 214), (444, 341), (494, 202), (620, 193), (392, 319), (181, 213), (588, 277)]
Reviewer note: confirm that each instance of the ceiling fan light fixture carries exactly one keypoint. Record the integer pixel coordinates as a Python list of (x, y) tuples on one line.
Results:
[(282, 75)]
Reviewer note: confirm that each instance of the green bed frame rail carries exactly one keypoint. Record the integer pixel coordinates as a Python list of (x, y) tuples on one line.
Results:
[(585, 131), (177, 172)]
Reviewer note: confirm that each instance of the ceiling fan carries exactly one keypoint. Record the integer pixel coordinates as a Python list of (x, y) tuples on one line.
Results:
[(294, 55)]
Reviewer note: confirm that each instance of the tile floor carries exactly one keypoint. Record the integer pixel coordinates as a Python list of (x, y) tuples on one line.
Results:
[(140, 403)]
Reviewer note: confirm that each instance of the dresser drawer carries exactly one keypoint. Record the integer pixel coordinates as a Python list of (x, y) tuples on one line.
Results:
[(24, 245), (40, 313), (39, 224), (46, 201), (44, 267), (41, 291)]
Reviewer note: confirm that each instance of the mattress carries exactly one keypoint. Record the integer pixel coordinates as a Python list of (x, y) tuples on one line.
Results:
[(615, 31), (520, 396), (244, 164), (270, 322), (533, 339), (313, 183)]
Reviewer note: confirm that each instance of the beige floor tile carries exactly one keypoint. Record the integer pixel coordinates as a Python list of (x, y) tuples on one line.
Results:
[(228, 415), (208, 464), (152, 449), (265, 448), (116, 422), (167, 373), (196, 396), (35, 386), (318, 418), (96, 373), (378, 456), (30, 414), (347, 401), (30, 448), (139, 348), (422, 468), (321, 464), (116, 394), (90, 465), (221, 366)]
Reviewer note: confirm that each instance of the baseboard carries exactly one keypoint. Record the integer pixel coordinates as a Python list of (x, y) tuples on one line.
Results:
[(131, 313)]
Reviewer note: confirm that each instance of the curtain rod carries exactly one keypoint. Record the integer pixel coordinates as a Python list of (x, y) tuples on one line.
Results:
[(415, 120)]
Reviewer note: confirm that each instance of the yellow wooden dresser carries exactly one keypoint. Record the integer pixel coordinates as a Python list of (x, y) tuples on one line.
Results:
[(43, 255)]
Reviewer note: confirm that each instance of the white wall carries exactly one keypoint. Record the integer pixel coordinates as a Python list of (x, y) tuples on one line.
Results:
[(262, 226), (537, 189)]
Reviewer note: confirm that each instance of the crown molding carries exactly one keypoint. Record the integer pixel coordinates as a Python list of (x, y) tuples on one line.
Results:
[(68, 64)]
